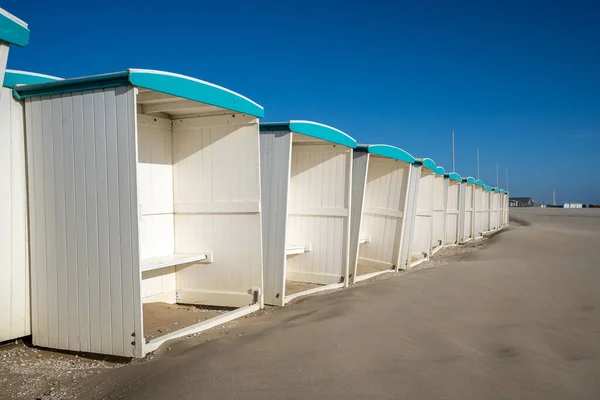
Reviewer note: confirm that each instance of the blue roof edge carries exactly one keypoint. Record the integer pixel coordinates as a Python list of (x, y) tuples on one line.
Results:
[(13, 30), (388, 151), (454, 176), (312, 129), (14, 77), (427, 163), (165, 82)]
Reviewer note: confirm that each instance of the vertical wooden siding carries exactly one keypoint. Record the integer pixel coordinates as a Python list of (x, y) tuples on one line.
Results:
[(85, 277), (385, 199), (14, 256), (487, 197), (421, 242), (478, 211), (275, 158), (217, 207), (439, 209), (360, 166), (452, 212), (318, 212), (410, 211), (4, 47), (155, 195)]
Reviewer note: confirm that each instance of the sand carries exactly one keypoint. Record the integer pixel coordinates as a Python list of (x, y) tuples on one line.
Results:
[(513, 316), (163, 318), (292, 287), (366, 269)]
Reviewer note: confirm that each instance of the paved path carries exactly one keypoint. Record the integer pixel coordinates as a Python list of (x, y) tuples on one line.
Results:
[(519, 319)]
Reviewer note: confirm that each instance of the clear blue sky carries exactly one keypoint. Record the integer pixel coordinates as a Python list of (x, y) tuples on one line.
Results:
[(519, 79)]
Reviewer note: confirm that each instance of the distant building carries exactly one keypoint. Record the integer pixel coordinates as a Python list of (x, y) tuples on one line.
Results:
[(521, 202), (573, 205)]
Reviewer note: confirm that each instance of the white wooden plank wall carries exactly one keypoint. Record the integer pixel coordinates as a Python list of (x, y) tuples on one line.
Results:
[(452, 213), (410, 211), (4, 47), (81, 154), (319, 184), (468, 219), (478, 211), (360, 167), (421, 242), (385, 198), (439, 208), (216, 167), (486, 210), (14, 257), (495, 218), (275, 158), (155, 195)]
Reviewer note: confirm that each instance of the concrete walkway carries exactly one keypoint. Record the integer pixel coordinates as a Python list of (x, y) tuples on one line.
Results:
[(519, 319)]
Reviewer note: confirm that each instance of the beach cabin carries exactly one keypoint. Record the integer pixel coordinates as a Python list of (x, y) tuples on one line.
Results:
[(421, 243), (453, 184), (504, 207), (487, 203), (306, 173), (495, 209), (13, 31), (467, 209), (14, 244), (144, 204), (380, 180), (478, 208), (440, 194)]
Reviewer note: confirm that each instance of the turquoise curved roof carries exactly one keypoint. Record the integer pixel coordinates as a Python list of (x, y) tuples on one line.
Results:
[(13, 30), (454, 176), (496, 190), (159, 81), (14, 77), (479, 182), (385, 150), (502, 191), (489, 189), (469, 179), (312, 129), (440, 171), (428, 163)]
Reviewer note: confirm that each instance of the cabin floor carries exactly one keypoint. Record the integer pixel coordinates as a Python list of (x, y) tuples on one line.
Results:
[(163, 318), (293, 287)]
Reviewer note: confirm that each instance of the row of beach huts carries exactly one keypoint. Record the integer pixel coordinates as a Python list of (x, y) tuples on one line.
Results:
[(141, 187)]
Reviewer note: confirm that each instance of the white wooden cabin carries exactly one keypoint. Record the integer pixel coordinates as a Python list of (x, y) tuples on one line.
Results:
[(504, 207), (478, 209), (306, 173), (487, 202), (467, 210), (453, 181), (380, 182), (144, 190), (495, 209), (14, 244), (13, 31), (440, 199), (421, 243)]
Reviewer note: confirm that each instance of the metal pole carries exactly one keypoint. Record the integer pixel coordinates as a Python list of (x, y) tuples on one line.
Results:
[(554, 197), (507, 179), (453, 166), (496, 173), (478, 164)]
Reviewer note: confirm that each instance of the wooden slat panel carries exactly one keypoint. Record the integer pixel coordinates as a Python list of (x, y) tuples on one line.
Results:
[(275, 156), (14, 267), (82, 218), (360, 166), (216, 173)]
